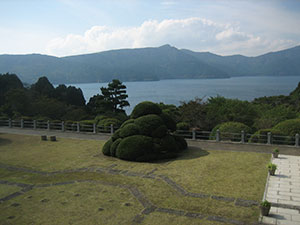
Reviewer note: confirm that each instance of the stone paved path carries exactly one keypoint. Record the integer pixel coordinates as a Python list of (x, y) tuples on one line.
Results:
[(283, 191)]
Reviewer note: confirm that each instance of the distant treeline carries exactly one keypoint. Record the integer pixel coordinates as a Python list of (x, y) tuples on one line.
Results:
[(42, 101)]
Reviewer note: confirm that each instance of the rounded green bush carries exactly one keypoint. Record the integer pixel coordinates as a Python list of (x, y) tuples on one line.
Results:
[(89, 122), (289, 127), (145, 108), (159, 132), (114, 146), (261, 136), (127, 122), (105, 124), (129, 130), (181, 142), (168, 144), (148, 123), (134, 147), (230, 131), (106, 147), (116, 135), (168, 121), (182, 126)]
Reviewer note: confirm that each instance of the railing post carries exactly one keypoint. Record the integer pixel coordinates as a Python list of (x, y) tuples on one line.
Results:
[(78, 127), (269, 138), (9, 123), (111, 129), (62, 126), (297, 140), (22, 123), (48, 125), (218, 138), (243, 137), (94, 128), (34, 124), (194, 134)]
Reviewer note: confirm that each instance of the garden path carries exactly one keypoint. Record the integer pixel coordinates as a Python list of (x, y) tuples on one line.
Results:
[(283, 191)]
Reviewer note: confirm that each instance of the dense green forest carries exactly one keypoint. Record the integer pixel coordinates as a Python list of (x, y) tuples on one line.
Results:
[(41, 101)]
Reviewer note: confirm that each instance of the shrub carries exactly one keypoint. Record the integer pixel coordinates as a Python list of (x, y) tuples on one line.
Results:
[(116, 135), (168, 121), (89, 122), (289, 127), (181, 142), (148, 123), (105, 124), (127, 122), (145, 108), (182, 126), (168, 144), (159, 132), (129, 130), (230, 130), (261, 136), (99, 118), (106, 147), (133, 147), (114, 146)]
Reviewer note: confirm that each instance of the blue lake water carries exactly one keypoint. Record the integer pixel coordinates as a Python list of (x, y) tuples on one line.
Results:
[(175, 91)]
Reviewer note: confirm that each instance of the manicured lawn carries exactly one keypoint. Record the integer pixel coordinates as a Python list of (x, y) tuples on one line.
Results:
[(101, 197)]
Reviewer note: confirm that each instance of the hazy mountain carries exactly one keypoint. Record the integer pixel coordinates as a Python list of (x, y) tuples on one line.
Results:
[(281, 63), (164, 62)]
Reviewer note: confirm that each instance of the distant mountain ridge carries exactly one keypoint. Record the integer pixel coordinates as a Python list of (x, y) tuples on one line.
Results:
[(143, 64)]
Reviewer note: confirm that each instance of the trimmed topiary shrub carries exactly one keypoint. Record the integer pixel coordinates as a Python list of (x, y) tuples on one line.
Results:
[(148, 123), (129, 130), (159, 132), (145, 138), (116, 135), (114, 146), (133, 147), (230, 131), (127, 122), (145, 108), (168, 144), (181, 142), (169, 122), (106, 147)]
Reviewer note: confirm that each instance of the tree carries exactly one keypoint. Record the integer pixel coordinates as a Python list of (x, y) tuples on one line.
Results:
[(193, 112), (113, 98), (69, 95), (43, 87), (8, 82)]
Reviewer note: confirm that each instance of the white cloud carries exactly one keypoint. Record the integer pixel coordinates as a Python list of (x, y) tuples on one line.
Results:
[(192, 33)]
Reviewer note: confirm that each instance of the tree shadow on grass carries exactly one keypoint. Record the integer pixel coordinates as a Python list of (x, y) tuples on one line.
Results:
[(4, 141), (191, 153)]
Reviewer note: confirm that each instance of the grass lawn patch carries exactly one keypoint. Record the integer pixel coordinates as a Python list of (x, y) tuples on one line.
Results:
[(111, 191), (6, 190)]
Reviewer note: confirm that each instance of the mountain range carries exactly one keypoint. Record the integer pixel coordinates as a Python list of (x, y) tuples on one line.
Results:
[(145, 64)]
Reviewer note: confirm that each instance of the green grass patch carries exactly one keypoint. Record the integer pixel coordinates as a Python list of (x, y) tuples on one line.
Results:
[(72, 204), (224, 173), (6, 190)]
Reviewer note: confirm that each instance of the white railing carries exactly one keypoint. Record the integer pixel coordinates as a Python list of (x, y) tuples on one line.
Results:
[(194, 134), (58, 126)]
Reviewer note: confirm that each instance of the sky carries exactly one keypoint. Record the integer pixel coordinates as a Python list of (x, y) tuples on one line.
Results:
[(224, 27)]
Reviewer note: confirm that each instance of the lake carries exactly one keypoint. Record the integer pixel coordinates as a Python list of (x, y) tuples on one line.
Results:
[(175, 91)]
